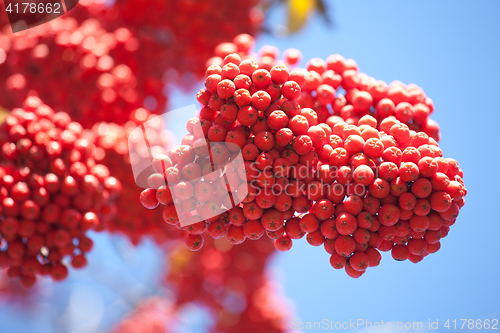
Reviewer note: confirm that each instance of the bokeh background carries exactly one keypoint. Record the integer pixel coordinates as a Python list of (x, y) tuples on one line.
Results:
[(449, 48)]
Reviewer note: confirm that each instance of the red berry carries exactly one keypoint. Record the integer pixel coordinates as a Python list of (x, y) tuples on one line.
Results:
[(194, 242), (359, 261), (323, 209), (299, 125), (419, 223), (283, 243), (293, 228), (247, 115), (261, 78), (400, 252), (79, 261), (325, 94), (248, 66), (400, 132), (389, 214), (361, 236), (230, 71), (253, 229), (440, 201), (148, 198), (408, 171), (363, 175), (427, 167), (278, 120), (261, 100), (211, 82), (315, 238), (417, 246), (272, 220), (345, 245), (302, 144), (352, 272), (279, 74), (346, 224), (291, 90), (59, 272), (374, 257), (421, 188)]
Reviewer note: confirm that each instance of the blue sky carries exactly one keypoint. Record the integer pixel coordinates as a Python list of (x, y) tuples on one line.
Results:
[(452, 50)]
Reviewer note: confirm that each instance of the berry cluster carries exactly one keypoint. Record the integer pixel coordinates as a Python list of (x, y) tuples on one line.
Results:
[(102, 70), (330, 87), (112, 142), (355, 177), (220, 272), (51, 192), (94, 73)]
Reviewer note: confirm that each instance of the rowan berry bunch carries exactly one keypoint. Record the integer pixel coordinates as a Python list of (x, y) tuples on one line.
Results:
[(112, 142), (103, 70), (51, 191), (94, 73), (357, 182), (334, 86)]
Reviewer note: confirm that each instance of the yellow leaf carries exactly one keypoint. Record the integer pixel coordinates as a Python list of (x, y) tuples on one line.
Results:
[(298, 13), (3, 114), (179, 257)]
